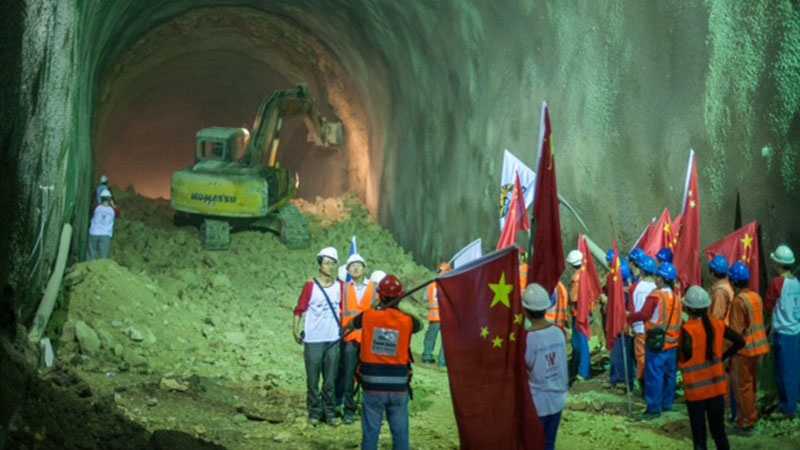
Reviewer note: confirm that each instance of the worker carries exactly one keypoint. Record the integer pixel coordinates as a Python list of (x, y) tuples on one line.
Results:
[(319, 307), (385, 364), (103, 185), (581, 362), (645, 268), (747, 319), (664, 255), (377, 276), (546, 359), (701, 358), (662, 316), (622, 358), (558, 311), (101, 229), (359, 296), (785, 290), (721, 289), (434, 321)]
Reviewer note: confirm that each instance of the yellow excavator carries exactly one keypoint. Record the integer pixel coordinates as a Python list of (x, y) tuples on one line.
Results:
[(236, 181)]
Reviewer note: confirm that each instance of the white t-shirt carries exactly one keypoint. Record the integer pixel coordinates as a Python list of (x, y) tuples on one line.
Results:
[(643, 289), (320, 324), (102, 221), (546, 358)]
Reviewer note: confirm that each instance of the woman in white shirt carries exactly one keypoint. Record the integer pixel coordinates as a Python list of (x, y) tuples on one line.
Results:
[(546, 358)]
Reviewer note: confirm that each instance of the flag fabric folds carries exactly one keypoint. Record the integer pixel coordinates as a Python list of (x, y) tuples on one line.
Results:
[(615, 309), (483, 331), (471, 252), (588, 288), (548, 251), (687, 249), (741, 245), (512, 168), (658, 235), (517, 218)]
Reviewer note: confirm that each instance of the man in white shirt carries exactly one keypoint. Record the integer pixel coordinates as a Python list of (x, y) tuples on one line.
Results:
[(101, 229), (319, 307), (644, 266)]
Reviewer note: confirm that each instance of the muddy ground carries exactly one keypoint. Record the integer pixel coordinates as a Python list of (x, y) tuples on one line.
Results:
[(168, 346)]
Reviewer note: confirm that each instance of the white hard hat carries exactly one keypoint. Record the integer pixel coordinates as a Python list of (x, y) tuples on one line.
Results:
[(535, 298), (342, 273), (329, 252), (355, 257), (103, 179), (377, 276), (783, 255), (575, 258), (696, 298), (105, 193)]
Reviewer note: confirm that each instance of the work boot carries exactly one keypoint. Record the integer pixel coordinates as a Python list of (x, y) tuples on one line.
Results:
[(348, 419), (646, 416)]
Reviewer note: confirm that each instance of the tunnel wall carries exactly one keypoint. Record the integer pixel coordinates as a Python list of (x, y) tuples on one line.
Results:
[(447, 86)]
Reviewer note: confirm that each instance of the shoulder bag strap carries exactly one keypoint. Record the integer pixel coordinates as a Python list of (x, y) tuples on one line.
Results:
[(330, 306)]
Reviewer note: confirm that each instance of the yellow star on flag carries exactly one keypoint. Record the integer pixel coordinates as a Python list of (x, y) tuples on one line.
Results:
[(747, 241), (484, 332), (692, 204), (512, 337), (667, 228), (501, 290), (497, 342), (519, 319)]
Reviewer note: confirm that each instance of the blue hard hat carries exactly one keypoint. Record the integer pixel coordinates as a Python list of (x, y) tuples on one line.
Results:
[(719, 265), (636, 255), (627, 275), (667, 272), (739, 273), (664, 255), (610, 255), (647, 264)]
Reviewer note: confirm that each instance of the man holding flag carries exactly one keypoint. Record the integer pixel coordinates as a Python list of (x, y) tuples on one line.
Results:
[(687, 248)]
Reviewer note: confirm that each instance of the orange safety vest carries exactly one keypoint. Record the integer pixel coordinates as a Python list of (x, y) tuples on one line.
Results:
[(433, 303), (669, 318), (558, 313), (352, 308), (523, 277), (385, 350), (704, 378), (755, 336)]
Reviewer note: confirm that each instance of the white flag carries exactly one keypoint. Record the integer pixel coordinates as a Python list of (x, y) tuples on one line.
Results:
[(467, 254), (527, 178)]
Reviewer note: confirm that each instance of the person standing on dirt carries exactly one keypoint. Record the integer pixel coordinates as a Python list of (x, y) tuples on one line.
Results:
[(385, 365), (581, 358), (319, 307), (644, 267), (702, 358), (101, 229), (434, 324)]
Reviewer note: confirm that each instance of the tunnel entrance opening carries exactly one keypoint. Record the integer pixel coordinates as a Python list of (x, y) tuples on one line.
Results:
[(211, 67)]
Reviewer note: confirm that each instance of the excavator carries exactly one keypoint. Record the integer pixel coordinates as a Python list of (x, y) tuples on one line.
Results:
[(236, 181)]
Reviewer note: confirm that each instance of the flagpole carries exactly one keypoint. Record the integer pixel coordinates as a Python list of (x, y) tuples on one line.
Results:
[(625, 367)]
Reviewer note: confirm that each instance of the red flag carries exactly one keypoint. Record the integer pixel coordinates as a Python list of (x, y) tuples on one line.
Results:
[(659, 235), (741, 245), (588, 288), (615, 310), (483, 331), (687, 249), (517, 218), (548, 251)]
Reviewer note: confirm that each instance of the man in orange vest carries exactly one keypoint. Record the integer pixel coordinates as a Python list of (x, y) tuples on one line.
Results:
[(721, 290), (385, 365), (747, 319), (433, 321), (701, 358), (557, 313), (359, 296)]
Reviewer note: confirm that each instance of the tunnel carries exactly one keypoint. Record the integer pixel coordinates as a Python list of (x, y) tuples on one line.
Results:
[(429, 94)]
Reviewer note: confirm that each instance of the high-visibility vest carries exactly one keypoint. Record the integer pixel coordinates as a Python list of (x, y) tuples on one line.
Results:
[(704, 378), (755, 336), (669, 318), (385, 350), (558, 313), (433, 303), (352, 307), (523, 277)]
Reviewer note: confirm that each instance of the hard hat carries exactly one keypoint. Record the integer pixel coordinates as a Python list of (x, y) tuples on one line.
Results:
[(105, 193), (575, 258), (739, 274), (342, 274), (627, 275), (535, 298), (664, 255), (719, 265), (610, 255), (783, 255), (636, 255), (696, 298), (328, 252), (390, 287), (103, 179), (647, 264), (667, 272), (444, 267), (355, 258), (377, 276)]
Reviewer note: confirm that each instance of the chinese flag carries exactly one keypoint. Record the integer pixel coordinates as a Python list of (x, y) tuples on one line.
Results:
[(741, 245), (588, 288), (658, 235), (483, 331), (615, 312), (687, 249), (548, 251), (517, 218)]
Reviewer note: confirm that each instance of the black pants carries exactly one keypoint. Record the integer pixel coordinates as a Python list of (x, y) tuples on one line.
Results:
[(714, 409)]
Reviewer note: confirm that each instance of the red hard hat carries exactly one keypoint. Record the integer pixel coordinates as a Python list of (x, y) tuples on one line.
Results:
[(390, 287)]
